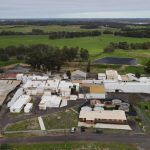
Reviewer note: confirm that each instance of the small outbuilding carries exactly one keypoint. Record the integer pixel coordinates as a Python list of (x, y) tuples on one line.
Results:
[(50, 101), (78, 75), (101, 76)]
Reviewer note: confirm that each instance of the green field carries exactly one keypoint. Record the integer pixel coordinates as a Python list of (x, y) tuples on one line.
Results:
[(71, 146), (46, 28), (68, 119), (95, 45), (50, 28)]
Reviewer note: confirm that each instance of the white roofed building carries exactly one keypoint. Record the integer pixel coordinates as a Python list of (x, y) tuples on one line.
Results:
[(49, 101), (101, 76), (112, 74), (28, 107), (20, 103)]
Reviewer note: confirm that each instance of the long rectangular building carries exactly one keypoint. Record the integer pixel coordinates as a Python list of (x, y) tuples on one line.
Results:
[(127, 87), (103, 116)]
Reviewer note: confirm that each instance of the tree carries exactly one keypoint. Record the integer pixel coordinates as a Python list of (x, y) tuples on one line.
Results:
[(1, 70), (109, 49), (147, 68), (88, 69), (137, 74), (4, 57), (45, 57), (84, 54), (69, 54), (68, 73)]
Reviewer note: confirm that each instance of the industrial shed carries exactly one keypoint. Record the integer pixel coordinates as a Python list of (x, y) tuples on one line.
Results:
[(101, 76), (93, 91), (127, 87), (28, 107), (50, 101), (78, 75), (20, 103)]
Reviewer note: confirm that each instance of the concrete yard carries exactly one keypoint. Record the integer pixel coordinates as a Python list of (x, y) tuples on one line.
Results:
[(6, 86)]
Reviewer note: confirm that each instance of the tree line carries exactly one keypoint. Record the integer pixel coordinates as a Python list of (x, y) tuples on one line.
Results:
[(33, 32), (45, 56), (52, 58), (60, 35), (140, 33), (126, 46), (91, 26), (52, 35)]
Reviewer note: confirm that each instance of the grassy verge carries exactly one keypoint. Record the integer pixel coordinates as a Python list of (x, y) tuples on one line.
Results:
[(61, 120), (30, 124), (73, 146), (145, 108)]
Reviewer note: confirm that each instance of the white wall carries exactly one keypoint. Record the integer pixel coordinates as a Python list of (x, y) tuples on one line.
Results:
[(127, 87)]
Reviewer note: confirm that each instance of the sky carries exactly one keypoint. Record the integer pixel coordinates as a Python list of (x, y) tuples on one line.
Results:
[(74, 8)]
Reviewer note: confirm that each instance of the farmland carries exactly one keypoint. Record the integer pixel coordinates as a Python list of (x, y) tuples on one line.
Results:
[(95, 45), (47, 28)]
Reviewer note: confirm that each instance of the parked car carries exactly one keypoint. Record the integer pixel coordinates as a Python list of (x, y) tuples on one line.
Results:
[(73, 129)]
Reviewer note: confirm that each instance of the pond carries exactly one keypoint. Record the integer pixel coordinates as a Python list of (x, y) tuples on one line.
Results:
[(116, 60)]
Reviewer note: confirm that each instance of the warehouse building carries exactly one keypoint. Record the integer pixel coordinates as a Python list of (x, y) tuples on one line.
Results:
[(92, 91), (128, 83), (20, 103), (50, 101)]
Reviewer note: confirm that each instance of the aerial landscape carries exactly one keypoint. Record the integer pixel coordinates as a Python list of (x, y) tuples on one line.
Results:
[(75, 75)]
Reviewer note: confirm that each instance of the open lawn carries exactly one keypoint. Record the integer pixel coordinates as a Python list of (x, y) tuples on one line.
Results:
[(30, 124), (72, 146), (61, 120)]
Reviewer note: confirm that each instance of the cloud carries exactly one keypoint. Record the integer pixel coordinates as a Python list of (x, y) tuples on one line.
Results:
[(55, 8), (108, 14)]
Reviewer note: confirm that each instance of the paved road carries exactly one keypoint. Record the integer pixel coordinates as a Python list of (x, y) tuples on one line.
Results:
[(142, 140)]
